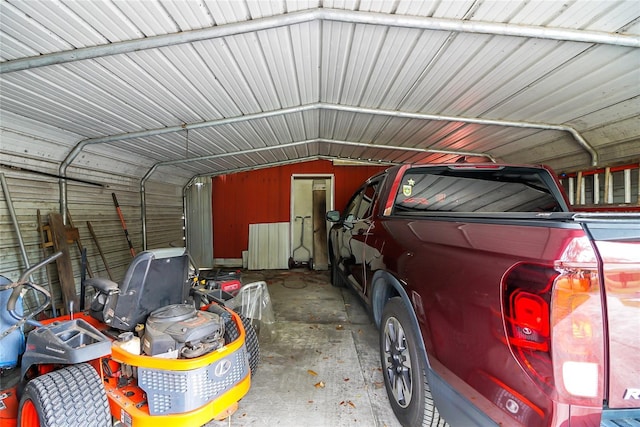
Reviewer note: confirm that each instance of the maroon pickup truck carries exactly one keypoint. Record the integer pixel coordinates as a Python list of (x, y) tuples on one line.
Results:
[(496, 304)]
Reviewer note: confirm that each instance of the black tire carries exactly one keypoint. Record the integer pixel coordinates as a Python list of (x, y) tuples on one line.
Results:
[(252, 344), (231, 333), (310, 265), (336, 275), (404, 370), (71, 396)]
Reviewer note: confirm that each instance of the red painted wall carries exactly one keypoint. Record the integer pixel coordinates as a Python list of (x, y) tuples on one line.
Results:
[(263, 196)]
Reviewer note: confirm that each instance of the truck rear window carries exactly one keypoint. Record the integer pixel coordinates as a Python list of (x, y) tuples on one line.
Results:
[(500, 189)]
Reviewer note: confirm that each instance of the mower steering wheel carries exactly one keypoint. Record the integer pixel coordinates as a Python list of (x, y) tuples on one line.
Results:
[(17, 290)]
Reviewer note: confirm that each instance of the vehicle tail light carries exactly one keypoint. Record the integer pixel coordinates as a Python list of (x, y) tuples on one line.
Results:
[(577, 326), (530, 320), (526, 307), (554, 326)]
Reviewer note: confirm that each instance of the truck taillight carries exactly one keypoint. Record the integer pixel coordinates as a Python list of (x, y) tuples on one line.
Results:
[(526, 308), (577, 326), (553, 321), (530, 321)]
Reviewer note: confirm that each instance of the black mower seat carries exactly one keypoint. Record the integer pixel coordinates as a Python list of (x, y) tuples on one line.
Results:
[(154, 279)]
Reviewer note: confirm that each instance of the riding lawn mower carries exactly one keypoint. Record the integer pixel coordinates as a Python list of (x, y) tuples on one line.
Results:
[(146, 353)]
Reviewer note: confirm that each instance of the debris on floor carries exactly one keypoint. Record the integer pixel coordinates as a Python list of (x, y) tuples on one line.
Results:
[(320, 360)]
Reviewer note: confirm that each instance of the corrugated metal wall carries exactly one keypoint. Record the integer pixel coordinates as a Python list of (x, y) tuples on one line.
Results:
[(198, 222), (614, 188), (164, 215), (24, 167), (263, 196), (268, 246), (31, 193)]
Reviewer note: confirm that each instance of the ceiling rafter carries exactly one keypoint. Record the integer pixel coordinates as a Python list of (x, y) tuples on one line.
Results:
[(322, 120), (358, 17), (330, 107), (310, 107)]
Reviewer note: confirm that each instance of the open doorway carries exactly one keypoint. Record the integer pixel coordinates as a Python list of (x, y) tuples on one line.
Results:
[(311, 198)]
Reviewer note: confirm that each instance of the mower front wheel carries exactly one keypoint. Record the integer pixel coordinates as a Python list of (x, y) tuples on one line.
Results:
[(72, 396)]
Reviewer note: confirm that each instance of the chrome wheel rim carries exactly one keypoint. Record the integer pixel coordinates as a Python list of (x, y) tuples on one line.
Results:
[(397, 362)]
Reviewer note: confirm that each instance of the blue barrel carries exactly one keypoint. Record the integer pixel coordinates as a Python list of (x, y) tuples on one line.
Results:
[(12, 345)]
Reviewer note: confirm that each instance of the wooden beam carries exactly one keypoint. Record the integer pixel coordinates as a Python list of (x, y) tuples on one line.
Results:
[(65, 269)]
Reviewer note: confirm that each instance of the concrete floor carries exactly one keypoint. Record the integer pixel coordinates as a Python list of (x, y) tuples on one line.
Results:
[(319, 360)]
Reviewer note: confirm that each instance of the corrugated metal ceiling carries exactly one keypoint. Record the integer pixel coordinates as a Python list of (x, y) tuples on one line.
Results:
[(209, 87)]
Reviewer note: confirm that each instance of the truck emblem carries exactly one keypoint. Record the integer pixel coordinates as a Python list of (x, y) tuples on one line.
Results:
[(631, 393), (406, 190), (512, 406)]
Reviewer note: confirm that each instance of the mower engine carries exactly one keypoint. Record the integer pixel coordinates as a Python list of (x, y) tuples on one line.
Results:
[(181, 331)]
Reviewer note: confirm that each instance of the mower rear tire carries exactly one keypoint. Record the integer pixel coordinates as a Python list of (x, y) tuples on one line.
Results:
[(73, 396), (250, 342), (231, 333)]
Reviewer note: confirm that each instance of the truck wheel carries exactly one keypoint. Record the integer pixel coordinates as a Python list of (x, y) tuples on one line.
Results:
[(72, 396), (336, 277), (403, 369)]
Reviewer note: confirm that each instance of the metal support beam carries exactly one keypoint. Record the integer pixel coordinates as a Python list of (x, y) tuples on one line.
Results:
[(293, 18), (299, 109), (287, 145), (16, 226), (143, 202), (77, 149), (508, 123)]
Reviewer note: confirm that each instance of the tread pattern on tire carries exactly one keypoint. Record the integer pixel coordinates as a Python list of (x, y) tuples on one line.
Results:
[(231, 333), (71, 396), (431, 417), (251, 342), (336, 278), (436, 420)]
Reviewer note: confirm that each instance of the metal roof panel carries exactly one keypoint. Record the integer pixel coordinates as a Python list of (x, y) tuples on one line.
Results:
[(277, 81)]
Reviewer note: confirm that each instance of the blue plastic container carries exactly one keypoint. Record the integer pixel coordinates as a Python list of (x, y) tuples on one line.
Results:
[(11, 346)]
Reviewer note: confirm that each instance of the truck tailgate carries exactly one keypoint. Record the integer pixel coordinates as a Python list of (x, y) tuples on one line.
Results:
[(617, 239)]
